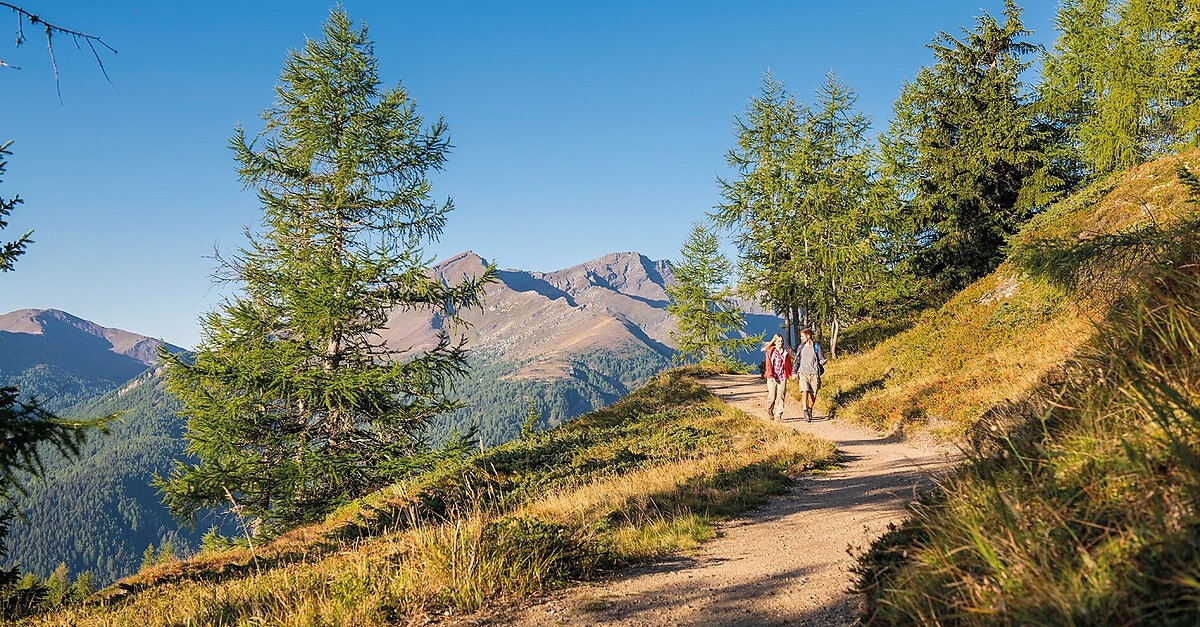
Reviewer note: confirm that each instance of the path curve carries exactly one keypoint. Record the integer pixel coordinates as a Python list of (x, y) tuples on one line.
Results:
[(786, 563)]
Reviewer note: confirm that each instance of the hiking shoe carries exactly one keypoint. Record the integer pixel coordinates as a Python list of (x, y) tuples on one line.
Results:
[(808, 415)]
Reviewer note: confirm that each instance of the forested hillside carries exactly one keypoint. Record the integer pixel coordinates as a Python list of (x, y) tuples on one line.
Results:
[(496, 402), (62, 359), (99, 513)]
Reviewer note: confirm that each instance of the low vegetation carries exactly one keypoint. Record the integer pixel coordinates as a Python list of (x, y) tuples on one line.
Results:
[(1080, 505), (999, 339), (642, 478)]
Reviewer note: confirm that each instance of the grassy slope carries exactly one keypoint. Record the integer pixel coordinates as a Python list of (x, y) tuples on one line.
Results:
[(1081, 505), (1000, 338), (642, 478)]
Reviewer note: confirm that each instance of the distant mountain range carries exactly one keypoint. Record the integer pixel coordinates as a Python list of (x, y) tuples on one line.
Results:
[(62, 359), (97, 513), (567, 341), (570, 341)]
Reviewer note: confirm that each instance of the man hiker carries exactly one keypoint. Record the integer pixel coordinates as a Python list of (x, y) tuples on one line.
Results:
[(810, 365)]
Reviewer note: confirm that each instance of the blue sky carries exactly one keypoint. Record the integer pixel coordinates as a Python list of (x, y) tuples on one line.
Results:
[(579, 128)]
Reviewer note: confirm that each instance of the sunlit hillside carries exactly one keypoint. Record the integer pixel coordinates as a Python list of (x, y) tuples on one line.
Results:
[(995, 341), (642, 478), (1079, 506)]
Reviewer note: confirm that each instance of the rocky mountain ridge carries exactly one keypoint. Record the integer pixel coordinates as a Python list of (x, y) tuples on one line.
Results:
[(541, 319), (62, 359)]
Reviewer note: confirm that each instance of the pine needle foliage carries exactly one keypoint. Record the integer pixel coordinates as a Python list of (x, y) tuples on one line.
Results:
[(707, 318), (294, 402), (805, 209), (760, 201), (1124, 75), (9, 251)]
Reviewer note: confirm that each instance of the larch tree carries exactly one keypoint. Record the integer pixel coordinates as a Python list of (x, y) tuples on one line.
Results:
[(841, 221), (759, 204), (969, 151), (708, 319), (294, 403), (1124, 75)]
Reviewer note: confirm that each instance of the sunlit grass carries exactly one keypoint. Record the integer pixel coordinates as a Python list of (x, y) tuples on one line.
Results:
[(1081, 504), (998, 340), (647, 477)]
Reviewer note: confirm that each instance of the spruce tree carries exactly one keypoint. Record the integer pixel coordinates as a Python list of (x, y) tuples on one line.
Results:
[(707, 318), (294, 403), (969, 152)]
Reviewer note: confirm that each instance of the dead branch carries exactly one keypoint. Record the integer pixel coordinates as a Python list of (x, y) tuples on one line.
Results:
[(51, 30)]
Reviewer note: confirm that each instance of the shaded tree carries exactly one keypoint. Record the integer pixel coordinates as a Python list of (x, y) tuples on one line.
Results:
[(968, 152), (294, 402)]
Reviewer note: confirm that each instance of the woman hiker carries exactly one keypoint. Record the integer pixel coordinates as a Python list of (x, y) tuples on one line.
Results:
[(810, 365), (777, 370)]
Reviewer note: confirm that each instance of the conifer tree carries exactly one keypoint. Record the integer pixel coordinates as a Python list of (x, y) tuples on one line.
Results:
[(760, 203), (294, 403), (83, 587), (707, 318), (1124, 75), (58, 587), (812, 227), (841, 221), (968, 151)]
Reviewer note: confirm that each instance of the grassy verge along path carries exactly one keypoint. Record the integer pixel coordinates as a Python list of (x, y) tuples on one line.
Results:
[(784, 563)]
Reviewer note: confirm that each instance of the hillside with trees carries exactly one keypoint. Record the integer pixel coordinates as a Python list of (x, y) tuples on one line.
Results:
[(98, 513), (1011, 266)]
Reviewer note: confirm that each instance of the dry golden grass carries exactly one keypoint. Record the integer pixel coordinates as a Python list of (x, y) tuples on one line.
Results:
[(489, 545), (994, 342), (1080, 505)]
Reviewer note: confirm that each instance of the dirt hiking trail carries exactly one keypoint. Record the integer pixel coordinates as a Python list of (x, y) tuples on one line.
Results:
[(786, 563)]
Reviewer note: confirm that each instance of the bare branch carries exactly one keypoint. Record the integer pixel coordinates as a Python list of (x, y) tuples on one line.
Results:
[(51, 30)]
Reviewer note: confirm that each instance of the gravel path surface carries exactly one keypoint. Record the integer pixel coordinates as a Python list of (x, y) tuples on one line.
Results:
[(786, 563)]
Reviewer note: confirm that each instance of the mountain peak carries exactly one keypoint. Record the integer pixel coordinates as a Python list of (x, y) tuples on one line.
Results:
[(629, 273), (466, 263), (23, 329)]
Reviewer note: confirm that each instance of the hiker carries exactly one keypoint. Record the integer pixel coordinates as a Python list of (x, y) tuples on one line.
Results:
[(810, 365), (777, 369)]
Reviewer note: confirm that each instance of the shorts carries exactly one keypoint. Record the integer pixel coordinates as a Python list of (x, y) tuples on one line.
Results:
[(809, 382)]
